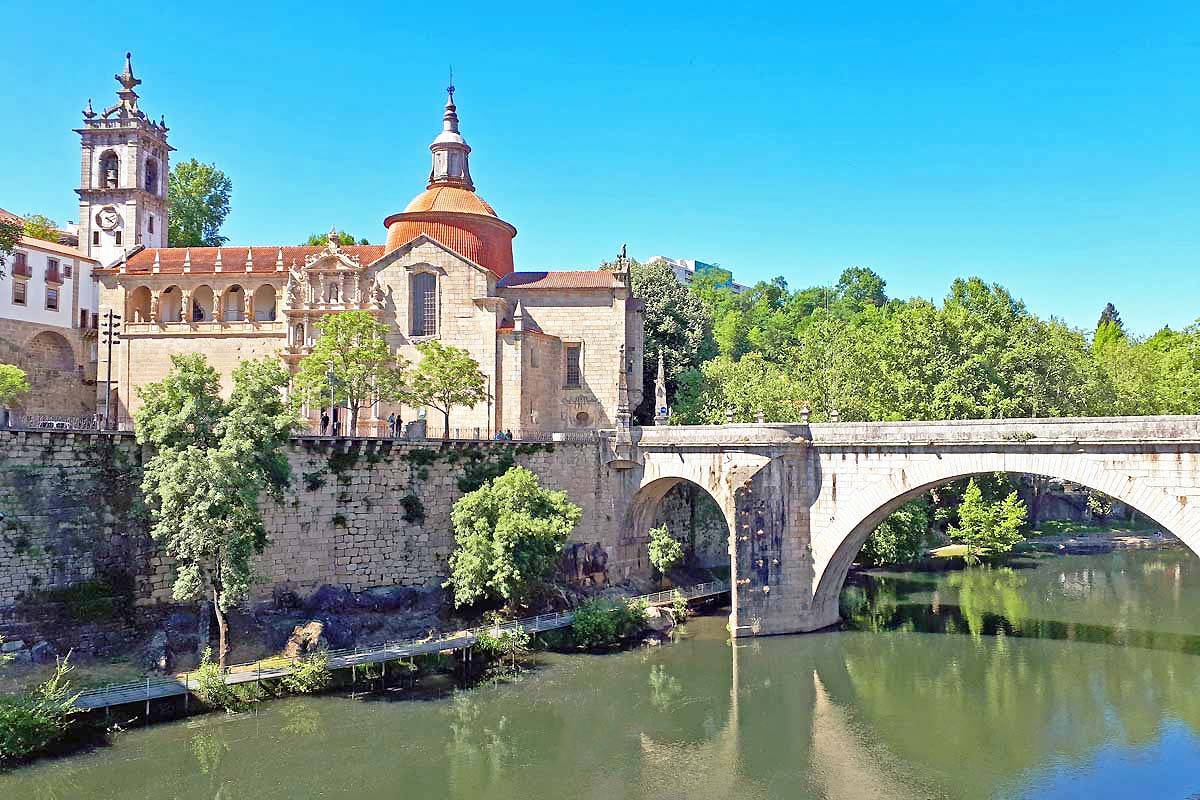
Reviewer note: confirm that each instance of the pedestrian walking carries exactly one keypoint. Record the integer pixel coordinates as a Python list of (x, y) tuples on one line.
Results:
[(324, 423)]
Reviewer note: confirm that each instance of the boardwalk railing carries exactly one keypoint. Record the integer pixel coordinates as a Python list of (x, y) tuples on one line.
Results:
[(150, 688)]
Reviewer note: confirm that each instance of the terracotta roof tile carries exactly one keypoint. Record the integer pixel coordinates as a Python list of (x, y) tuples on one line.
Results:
[(563, 279), (233, 258)]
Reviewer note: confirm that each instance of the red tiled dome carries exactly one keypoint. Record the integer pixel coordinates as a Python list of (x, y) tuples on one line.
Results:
[(459, 219), (450, 198)]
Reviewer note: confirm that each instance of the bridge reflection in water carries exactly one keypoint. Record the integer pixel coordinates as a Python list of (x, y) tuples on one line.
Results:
[(884, 711)]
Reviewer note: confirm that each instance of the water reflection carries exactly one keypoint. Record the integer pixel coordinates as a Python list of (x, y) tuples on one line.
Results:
[(1026, 699)]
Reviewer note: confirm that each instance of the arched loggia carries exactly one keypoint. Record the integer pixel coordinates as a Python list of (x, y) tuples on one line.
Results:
[(849, 531)]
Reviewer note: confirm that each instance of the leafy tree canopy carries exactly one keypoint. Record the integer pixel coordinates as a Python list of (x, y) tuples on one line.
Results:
[(988, 528), (199, 197), (354, 345), (39, 226), (344, 239), (678, 328), (13, 383), (509, 534), (446, 377), (664, 550), (212, 460), (11, 231)]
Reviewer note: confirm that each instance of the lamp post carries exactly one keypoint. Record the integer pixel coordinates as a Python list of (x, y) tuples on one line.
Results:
[(112, 333)]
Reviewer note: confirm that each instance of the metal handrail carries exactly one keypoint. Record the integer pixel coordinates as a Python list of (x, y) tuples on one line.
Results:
[(350, 656)]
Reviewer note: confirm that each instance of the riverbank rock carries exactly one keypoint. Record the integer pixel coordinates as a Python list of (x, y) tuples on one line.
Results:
[(388, 598), (659, 620), (157, 655), (305, 639), (43, 653), (330, 598)]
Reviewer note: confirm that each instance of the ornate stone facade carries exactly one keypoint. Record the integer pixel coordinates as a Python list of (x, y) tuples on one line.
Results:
[(549, 343)]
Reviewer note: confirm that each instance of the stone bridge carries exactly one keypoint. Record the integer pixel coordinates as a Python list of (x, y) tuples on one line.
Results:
[(800, 500)]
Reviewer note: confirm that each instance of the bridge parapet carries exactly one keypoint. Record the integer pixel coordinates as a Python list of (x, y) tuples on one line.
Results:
[(1001, 432)]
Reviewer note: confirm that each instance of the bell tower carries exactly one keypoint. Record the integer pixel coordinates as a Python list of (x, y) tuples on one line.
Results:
[(124, 164)]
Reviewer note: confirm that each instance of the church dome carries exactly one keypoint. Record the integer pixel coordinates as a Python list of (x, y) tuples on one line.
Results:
[(449, 211), (450, 198)]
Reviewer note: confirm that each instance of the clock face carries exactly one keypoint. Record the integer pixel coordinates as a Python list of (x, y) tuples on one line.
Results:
[(108, 218)]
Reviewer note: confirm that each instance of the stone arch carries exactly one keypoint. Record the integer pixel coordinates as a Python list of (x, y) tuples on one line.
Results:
[(836, 546), (51, 350), (170, 304), (202, 304), (108, 176), (655, 503), (137, 305), (265, 303)]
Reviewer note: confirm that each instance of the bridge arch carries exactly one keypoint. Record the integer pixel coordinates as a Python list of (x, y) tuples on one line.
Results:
[(838, 543)]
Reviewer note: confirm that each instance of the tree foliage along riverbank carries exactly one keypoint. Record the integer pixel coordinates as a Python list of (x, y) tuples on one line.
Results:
[(978, 354)]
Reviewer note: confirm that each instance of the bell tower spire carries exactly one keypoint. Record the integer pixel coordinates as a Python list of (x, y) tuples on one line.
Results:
[(450, 150)]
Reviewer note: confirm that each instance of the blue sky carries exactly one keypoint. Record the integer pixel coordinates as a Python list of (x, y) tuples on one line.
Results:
[(1051, 147)]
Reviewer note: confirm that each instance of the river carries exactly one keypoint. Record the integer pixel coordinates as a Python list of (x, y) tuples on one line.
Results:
[(1064, 677)]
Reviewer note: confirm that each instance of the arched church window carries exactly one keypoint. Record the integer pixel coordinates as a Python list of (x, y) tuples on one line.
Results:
[(152, 176), (423, 315), (110, 170)]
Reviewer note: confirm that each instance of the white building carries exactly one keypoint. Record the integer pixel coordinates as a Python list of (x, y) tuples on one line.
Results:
[(686, 268), (49, 301)]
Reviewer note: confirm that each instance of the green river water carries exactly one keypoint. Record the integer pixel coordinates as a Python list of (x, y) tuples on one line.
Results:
[(1070, 676)]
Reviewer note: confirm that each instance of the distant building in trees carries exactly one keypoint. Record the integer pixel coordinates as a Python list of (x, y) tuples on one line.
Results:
[(686, 268)]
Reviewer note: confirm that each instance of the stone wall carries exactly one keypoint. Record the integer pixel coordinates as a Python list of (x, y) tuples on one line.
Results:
[(53, 360), (363, 514)]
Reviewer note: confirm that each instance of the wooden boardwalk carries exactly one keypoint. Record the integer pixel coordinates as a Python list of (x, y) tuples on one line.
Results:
[(157, 688)]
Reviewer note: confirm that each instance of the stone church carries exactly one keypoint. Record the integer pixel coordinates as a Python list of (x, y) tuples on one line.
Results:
[(561, 350)]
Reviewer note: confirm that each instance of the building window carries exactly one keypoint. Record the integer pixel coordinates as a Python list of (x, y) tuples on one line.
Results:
[(19, 293), (151, 181), (84, 318), (573, 372), (424, 304), (51, 298), (68, 270), (52, 273), (117, 236), (150, 223), (21, 265), (96, 237)]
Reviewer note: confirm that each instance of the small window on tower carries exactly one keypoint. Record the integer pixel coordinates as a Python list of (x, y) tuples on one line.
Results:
[(151, 177), (95, 237), (150, 224), (117, 237), (573, 372)]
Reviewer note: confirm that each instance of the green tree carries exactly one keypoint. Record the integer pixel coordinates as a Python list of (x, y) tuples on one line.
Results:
[(10, 233), (508, 534), (446, 377), (745, 387), (354, 345), (900, 539), (664, 550), (39, 226), (33, 722), (212, 461), (344, 239), (859, 287), (199, 198), (13, 383), (988, 528), (677, 328)]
